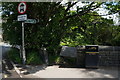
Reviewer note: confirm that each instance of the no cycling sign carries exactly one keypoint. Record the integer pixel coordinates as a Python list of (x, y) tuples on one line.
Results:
[(22, 7)]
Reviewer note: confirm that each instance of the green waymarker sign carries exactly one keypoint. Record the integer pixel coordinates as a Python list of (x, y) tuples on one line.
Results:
[(32, 21)]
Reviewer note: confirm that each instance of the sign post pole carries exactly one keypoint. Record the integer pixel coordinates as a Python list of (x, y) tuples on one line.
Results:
[(22, 9), (23, 44)]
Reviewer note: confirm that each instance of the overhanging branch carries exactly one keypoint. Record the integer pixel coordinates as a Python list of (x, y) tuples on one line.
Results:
[(82, 12)]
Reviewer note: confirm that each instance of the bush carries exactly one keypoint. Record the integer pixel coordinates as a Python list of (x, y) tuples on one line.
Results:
[(54, 59), (33, 58), (14, 55), (67, 61)]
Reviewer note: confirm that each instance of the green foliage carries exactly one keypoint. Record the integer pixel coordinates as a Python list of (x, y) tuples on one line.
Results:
[(116, 36), (91, 31), (14, 55), (54, 59), (113, 7), (57, 26), (54, 22), (33, 58), (37, 35), (73, 42)]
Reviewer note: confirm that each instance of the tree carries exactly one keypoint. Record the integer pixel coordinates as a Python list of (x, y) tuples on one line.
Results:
[(55, 20), (113, 7), (91, 30), (94, 29)]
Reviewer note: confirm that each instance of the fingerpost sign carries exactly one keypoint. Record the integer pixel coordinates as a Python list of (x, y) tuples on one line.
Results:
[(22, 7)]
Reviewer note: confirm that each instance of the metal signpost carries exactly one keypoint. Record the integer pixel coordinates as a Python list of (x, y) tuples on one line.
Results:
[(23, 18), (22, 7)]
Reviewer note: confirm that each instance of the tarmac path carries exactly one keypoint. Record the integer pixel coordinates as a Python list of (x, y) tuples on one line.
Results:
[(56, 72)]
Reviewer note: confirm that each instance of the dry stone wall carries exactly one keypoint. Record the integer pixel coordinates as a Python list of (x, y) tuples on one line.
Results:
[(108, 55)]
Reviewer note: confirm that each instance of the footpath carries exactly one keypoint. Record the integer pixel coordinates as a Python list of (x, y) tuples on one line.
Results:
[(42, 71)]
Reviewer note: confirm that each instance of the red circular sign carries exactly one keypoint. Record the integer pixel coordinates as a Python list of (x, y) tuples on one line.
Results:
[(22, 7)]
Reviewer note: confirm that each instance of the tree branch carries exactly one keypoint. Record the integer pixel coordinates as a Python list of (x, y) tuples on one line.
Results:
[(69, 6), (80, 13)]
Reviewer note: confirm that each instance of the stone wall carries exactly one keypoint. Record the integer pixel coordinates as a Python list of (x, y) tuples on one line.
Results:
[(108, 55)]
